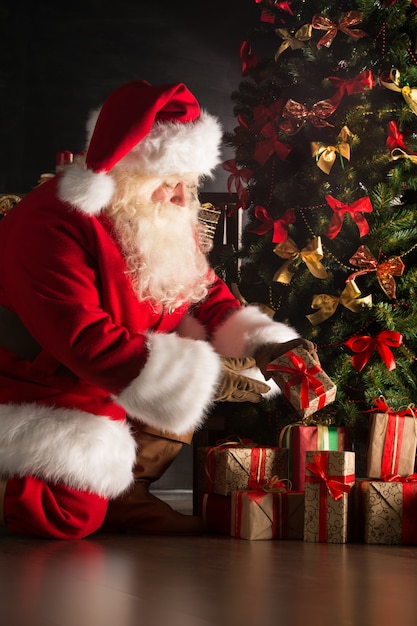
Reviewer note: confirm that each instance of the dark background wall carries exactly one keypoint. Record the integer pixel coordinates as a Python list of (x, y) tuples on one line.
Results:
[(61, 58)]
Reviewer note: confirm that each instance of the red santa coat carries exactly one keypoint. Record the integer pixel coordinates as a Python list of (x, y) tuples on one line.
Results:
[(103, 353)]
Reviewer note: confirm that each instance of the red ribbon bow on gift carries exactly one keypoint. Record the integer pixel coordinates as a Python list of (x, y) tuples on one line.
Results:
[(358, 84), (269, 145), (335, 487), (279, 227), (384, 271), (365, 345), (296, 114), (303, 376), (381, 406), (349, 19), (363, 205)]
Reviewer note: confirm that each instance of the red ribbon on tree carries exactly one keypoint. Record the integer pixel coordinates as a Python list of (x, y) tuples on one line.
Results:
[(263, 114), (395, 139), (303, 376), (364, 346), (239, 176), (363, 205), (279, 227), (249, 60), (358, 84), (348, 19), (270, 145)]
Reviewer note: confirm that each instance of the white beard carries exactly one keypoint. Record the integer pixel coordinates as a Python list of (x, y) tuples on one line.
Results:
[(165, 262)]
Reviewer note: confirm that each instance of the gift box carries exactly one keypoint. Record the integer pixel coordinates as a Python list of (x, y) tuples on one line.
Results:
[(299, 438), (215, 511), (329, 478), (231, 467), (389, 510), (392, 442), (267, 515), (303, 381)]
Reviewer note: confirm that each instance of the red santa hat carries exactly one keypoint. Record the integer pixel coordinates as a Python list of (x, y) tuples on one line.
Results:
[(156, 130)]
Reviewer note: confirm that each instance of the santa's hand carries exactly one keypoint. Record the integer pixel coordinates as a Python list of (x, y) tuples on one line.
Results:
[(235, 386), (271, 351)]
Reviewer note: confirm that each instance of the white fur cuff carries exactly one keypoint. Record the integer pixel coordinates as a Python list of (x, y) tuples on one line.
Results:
[(246, 330), (175, 388)]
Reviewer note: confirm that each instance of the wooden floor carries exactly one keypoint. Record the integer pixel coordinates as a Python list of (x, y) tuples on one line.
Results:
[(109, 580)]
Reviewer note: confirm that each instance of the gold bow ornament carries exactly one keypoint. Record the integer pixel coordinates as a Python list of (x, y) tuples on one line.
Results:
[(311, 255), (295, 42), (327, 304), (409, 93), (399, 153), (326, 155), (385, 271)]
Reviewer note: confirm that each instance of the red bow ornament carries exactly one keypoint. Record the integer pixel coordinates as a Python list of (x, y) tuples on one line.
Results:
[(364, 346), (270, 145), (395, 139), (349, 19), (362, 81), (385, 271), (297, 114), (263, 114), (363, 205), (249, 60), (279, 227), (239, 176)]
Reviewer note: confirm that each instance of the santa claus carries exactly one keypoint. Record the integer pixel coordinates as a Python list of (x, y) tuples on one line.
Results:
[(116, 336)]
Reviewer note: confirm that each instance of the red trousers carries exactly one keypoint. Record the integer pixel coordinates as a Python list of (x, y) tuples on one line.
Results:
[(35, 508)]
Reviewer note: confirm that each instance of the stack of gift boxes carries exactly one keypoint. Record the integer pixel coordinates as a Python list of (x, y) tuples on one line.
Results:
[(306, 488)]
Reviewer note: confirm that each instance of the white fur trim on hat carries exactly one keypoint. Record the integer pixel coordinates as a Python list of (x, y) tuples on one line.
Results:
[(84, 189), (175, 388), (246, 330), (175, 149), (83, 451)]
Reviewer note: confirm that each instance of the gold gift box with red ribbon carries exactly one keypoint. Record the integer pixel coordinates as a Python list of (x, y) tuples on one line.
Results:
[(303, 381), (389, 510), (392, 441), (330, 476), (277, 514), (231, 467)]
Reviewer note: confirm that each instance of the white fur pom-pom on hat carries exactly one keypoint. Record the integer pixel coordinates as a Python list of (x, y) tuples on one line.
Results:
[(154, 130)]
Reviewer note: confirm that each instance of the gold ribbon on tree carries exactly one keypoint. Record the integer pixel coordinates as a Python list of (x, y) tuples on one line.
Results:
[(348, 19), (364, 259), (398, 153), (296, 115), (311, 255), (326, 155), (327, 304), (409, 93), (295, 42)]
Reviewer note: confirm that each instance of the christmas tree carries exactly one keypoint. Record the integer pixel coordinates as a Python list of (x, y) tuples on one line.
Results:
[(325, 170)]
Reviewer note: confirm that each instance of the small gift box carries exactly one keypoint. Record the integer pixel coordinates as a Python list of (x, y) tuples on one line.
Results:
[(215, 511), (389, 510), (231, 467), (299, 438), (303, 381), (277, 514), (392, 441), (329, 478)]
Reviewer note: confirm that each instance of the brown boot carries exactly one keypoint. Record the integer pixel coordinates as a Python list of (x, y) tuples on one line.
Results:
[(139, 511)]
